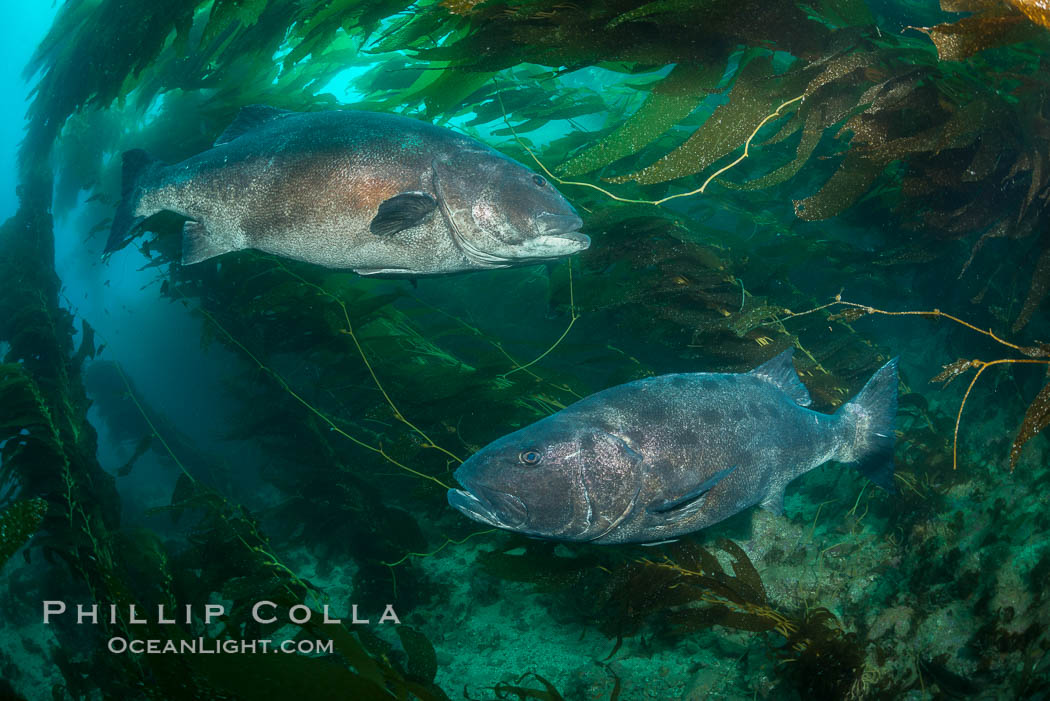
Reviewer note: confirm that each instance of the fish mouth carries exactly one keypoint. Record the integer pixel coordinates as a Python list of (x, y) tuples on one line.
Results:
[(560, 225), (472, 507), (572, 239), (491, 507), (553, 246), (557, 236), (541, 248)]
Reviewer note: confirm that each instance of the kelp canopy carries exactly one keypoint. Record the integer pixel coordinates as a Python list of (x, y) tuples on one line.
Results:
[(948, 138), (912, 170)]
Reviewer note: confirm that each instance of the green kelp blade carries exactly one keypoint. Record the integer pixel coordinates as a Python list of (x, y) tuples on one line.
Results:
[(18, 523), (24, 416), (725, 130), (225, 13), (670, 101), (846, 13), (648, 10), (413, 30), (394, 74), (317, 27), (452, 88)]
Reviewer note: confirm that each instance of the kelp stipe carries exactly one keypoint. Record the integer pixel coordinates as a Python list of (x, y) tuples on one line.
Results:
[(1037, 416)]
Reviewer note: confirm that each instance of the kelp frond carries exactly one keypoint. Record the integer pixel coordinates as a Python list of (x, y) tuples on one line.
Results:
[(1037, 416), (18, 523)]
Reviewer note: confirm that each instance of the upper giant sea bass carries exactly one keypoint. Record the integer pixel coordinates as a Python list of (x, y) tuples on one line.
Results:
[(657, 458), (377, 193)]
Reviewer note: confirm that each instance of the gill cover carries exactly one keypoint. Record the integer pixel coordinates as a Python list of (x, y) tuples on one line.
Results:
[(465, 187), (611, 478)]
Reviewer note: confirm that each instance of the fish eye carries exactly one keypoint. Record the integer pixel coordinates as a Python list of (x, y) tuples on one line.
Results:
[(538, 179), (529, 457)]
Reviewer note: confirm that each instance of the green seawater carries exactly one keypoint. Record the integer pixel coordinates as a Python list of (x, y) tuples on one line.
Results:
[(231, 456)]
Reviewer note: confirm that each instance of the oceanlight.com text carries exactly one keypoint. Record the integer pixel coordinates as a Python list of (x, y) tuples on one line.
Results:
[(203, 646)]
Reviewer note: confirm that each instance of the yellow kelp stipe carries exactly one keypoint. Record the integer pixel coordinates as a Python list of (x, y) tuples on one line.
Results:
[(1039, 355), (662, 200)]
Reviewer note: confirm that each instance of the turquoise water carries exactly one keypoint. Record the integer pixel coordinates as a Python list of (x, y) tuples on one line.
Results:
[(243, 464)]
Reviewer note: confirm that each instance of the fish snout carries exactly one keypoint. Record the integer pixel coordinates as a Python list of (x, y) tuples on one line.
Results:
[(560, 225), (489, 506)]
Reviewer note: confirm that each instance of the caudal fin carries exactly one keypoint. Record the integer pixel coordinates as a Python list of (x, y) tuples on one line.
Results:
[(871, 415), (138, 169)]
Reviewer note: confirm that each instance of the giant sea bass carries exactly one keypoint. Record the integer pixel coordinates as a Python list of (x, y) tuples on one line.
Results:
[(657, 458), (377, 193)]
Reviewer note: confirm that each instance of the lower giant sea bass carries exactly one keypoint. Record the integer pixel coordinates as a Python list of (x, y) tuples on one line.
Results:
[(657, 458)]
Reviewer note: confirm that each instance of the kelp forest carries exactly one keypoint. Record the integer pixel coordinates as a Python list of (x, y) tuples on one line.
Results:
[(852, 179)]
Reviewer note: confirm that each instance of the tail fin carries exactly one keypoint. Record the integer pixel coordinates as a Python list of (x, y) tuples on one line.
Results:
[(872, 415), (138, 169)]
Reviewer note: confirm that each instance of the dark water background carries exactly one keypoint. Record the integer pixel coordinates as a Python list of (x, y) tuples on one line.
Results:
[(202, 442)]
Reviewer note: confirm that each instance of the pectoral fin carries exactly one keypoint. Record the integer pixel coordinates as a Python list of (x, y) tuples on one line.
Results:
[(199, 244), (402, 212), (774, 503), (691, 501)]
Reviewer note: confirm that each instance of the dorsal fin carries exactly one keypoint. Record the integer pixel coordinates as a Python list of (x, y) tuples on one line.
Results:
[(248, 119), (781, 372)]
